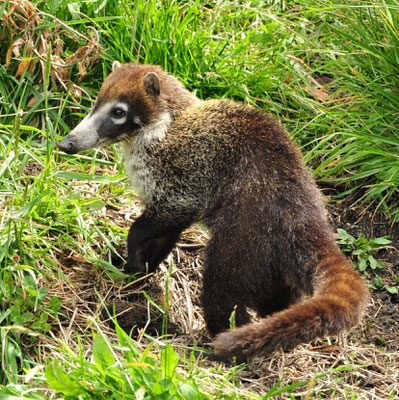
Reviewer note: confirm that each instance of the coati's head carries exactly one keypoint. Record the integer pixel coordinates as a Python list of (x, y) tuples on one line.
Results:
[(132, 98)]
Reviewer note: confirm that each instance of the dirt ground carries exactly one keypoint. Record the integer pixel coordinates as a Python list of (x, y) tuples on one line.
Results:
[(383, 314)]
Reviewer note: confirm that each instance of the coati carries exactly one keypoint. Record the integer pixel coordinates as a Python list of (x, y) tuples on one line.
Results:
[(234, 168)]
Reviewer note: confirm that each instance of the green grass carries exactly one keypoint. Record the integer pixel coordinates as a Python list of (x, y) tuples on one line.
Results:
[(327, 69), (274, 57)]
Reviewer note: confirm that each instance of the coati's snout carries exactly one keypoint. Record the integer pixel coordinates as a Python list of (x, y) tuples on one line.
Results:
[(106, 123), (84, 136), (68, 144)]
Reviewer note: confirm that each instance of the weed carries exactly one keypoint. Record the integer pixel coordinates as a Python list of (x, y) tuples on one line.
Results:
[(361, 250), (379, 284)]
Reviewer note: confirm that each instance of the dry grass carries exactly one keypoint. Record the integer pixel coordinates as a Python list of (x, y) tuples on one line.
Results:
[(47, 45)]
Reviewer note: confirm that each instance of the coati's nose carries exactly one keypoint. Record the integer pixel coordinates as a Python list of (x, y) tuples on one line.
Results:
[(68, 145)]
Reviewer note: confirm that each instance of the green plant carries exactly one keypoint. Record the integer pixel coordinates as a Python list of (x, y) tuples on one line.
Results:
[(361, 146), (361, 250), (381, 285), (137, 374)]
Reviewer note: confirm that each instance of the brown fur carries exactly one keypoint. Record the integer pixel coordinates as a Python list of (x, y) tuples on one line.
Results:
[(234, 168)]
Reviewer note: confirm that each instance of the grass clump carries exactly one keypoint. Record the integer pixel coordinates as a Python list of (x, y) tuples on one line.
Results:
[(143, 375), (364, 145)]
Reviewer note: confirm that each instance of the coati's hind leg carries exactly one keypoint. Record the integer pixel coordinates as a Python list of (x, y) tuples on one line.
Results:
[(222, 293), (232, 282), (218, 307), (280, 298)]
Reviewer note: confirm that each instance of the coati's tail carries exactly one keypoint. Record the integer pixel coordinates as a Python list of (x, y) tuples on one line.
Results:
[(338, 303)]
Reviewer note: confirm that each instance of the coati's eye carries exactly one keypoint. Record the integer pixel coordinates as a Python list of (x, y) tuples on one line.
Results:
[(118, 112)]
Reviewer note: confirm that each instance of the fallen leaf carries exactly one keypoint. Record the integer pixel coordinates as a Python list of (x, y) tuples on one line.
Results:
[(14, 48), (319, 93), (22, 67)]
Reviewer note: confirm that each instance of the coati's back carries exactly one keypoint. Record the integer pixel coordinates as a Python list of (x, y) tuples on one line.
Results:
[(233, 167)]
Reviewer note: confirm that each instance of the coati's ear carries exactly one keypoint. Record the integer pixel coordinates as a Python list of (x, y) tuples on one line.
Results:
[(115, 65), (152, 84)]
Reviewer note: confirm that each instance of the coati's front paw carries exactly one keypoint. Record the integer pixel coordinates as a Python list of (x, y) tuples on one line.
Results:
[(136, 262), (144, 256)]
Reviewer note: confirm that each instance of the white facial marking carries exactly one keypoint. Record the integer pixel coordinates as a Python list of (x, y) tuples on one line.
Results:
[(137, 120), (119, 104), (122, 106), (119, 121)]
